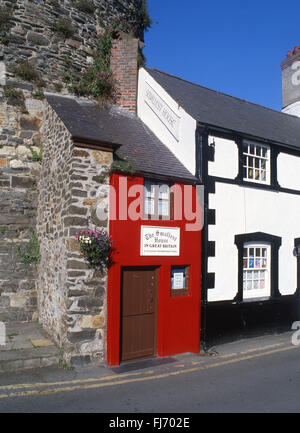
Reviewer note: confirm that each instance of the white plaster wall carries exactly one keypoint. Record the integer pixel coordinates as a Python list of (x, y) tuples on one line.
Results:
[(184, 147), (226, 162), (293, 109), (242, 210), (288, 168)]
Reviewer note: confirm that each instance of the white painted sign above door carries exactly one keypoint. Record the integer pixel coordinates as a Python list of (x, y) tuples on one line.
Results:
[(160, 241)]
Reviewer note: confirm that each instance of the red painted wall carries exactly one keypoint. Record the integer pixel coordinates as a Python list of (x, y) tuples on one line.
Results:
[(178, 327)]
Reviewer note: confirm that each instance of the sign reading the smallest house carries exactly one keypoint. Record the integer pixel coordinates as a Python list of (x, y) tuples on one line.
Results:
[(165, 114), (160, 241)]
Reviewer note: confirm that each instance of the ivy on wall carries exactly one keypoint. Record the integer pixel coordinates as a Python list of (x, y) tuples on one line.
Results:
[(97, 80)]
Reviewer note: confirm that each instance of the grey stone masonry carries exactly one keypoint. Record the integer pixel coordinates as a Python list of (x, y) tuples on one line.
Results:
[(72, 197), (48, 35), (19, 175)]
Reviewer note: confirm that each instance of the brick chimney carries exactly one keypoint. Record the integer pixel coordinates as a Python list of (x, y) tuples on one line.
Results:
[(124, 67), (291, 82)]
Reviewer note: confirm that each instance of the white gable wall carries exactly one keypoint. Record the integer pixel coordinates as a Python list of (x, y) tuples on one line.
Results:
[(155, 106)]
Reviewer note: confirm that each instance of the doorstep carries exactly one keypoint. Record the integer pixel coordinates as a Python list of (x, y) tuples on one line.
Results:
[(27, 346)]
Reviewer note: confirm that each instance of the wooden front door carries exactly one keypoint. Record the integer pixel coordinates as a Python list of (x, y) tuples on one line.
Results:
[(138, 313)]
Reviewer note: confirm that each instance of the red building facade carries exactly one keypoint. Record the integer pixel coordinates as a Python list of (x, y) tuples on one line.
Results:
[(148, 312)]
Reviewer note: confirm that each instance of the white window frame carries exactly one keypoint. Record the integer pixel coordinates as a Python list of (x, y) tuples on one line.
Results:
[(157, 196), (257, 270), (258, 158)]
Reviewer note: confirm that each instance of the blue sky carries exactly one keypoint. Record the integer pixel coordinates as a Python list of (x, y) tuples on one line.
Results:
[(232, 46)]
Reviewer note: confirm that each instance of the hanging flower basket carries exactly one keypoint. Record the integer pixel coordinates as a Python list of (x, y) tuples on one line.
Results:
[(95, 247)]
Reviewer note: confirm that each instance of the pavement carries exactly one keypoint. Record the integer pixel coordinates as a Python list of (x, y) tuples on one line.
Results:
[(228, 377), (27, 346), (56, 377)]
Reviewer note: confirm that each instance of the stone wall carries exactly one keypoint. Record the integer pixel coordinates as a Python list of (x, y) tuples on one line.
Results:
[(72, 296), (31, 35), (19, 175), (51, 33)]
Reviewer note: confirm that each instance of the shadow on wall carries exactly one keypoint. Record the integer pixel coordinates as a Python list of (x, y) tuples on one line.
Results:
[(228, 322)]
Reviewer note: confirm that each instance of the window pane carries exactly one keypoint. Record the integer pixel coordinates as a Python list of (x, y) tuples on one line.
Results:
[(163, 192), (148, 207), (149, 190), (156, 199), (163, 208), (255, 159)]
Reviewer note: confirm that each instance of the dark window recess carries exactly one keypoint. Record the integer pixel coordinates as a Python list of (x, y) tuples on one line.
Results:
[(179, 280)]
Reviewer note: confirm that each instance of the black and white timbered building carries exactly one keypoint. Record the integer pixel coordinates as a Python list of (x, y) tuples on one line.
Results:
[(248, 159)]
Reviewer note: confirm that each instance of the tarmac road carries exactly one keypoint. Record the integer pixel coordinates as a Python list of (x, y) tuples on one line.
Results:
[(255, 375)]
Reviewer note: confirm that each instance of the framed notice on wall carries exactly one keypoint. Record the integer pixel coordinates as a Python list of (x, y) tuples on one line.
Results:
[(160, 241)]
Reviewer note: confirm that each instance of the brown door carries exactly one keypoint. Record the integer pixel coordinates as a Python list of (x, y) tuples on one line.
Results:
[(138, 313)]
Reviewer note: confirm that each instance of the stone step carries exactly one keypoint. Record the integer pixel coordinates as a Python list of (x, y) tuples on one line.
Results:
[(22, 359), (27, 346)]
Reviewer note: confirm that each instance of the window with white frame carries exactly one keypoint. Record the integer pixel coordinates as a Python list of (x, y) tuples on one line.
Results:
[(256, 162), (256, 270), (156, 200)]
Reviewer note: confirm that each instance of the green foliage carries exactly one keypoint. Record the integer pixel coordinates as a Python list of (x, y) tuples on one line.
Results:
[(3, 230), (5, 18), (58, 87), (11, 336), (97, 80), (64, 28), (85, 6), (122, 166), (26, 71), (95, 246), (38, 95), (31, 253), (14, 97), (36, 157), (132, 21), (144, 16), (63, 364)]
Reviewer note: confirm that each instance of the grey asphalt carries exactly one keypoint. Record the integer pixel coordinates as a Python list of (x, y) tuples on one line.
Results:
[(258, 375)]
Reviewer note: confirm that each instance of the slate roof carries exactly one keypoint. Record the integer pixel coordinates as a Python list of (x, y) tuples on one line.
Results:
[(134, 141), (227, 112)]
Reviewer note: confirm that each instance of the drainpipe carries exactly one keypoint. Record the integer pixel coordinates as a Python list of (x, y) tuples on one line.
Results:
[(201, 174)]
